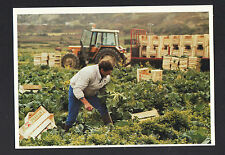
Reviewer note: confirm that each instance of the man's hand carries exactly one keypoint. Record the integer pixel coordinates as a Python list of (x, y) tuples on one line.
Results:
[(87, 105)]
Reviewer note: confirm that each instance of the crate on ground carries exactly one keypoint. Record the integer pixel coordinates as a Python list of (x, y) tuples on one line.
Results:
[(29, 87), (50, 59), (44, 58), (174, 63), (37, 59), (51, 63), (156, 75), (183, 64), (54, 59), (166, 62), (194, 63), (143, 74), (36, 123), (57, 59), (142, 116)]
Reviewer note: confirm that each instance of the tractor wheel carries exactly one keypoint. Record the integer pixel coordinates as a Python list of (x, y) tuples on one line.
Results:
[(70, 60), (108, 54)]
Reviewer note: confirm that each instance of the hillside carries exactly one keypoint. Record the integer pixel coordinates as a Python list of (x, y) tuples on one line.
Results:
[(164, 23)]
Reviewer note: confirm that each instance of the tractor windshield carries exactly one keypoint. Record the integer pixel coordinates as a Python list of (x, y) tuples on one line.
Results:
[(86, 37), (109, 39)]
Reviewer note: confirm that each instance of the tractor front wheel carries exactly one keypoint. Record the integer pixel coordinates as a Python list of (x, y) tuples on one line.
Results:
[(108, 54), (70, 60)]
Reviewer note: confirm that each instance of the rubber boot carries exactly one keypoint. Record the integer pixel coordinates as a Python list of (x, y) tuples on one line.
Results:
[(107, 119), (67, 127)]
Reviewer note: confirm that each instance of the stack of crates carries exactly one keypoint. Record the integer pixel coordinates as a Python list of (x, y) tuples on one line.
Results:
[(57, 59), (44, 58), (183, 64), (143, 45), (164, 42), (174, 63), (187, 45), (154, 45), (37, 59), (206, 46), (194, 63), (50, 59), (166, 62), (175, 45)]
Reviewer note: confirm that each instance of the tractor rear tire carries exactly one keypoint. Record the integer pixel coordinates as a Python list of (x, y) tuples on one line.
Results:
[(70, 60), (109, 54)]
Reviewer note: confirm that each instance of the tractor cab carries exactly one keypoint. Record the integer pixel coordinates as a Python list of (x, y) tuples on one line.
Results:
[(100, 37), (95, 39)]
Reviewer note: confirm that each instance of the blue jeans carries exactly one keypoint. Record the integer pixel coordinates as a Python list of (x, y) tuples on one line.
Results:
[(74, 106)]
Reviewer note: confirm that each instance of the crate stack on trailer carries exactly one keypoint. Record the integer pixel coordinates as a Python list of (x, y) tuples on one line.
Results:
[(155, 48)]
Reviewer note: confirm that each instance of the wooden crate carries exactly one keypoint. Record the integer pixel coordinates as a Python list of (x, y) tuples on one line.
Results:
[(174, 63), (175, 53), (36, 122), (206, 52), (194, 63), (187, 52), (183, 64), (44, 62), (44, 56), (31, 87), (57, 60), (143, 40), (142, 116), (27, 118), (51, 63), (142, 51), (51, 117), (166, 62), (143, 74), (37, 59), (156, 75), (51, 55), (148, 52)]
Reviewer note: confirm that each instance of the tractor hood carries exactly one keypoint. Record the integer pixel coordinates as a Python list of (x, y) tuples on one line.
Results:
[(74, 49)]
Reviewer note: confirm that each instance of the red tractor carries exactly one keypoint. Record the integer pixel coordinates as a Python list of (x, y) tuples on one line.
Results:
[(95, 44)]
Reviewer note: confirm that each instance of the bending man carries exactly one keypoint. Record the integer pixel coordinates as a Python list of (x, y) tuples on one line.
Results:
[(83, 89)]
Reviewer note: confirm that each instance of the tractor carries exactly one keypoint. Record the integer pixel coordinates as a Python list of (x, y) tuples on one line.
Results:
[(95, 45)]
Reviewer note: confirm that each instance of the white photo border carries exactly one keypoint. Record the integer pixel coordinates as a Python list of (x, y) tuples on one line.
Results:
[(120, 9)]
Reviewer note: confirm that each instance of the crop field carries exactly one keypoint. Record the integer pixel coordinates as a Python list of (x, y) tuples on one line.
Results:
[(181, 98)]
